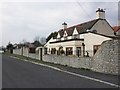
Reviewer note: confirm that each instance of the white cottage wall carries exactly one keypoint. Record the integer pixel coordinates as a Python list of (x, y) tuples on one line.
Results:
[(91, 39), (103, 27)]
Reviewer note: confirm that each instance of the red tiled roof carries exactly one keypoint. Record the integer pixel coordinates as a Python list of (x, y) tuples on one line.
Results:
[(116, 28)]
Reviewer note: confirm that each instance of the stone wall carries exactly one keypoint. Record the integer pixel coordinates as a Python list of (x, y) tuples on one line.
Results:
[(106, 59), (82, 62)]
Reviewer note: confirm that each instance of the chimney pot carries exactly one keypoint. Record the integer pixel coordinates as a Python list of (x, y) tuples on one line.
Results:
[(64, 25), (100, 13)]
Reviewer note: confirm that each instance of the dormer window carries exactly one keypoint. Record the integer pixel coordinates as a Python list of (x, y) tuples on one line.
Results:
[(75, 32), (65, 34), (58, 35)]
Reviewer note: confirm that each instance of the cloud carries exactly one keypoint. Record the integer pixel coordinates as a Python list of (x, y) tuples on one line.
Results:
[(25, 20)]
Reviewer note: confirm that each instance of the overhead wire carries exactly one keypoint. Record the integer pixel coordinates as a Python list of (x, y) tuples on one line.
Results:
[(83, 9)]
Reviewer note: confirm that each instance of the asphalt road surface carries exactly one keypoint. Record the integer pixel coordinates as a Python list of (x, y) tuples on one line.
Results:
[(21, 74)]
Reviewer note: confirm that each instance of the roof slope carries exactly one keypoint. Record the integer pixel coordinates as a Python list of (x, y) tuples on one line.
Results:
[(81, 28), (61, 32)]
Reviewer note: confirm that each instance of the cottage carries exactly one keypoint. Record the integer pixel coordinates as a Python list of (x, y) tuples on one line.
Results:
[(83, 39)]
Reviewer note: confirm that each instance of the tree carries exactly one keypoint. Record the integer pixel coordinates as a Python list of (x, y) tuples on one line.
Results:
[(37, 43), (42, 40), (37, 38), (51, 35), (10, 47)]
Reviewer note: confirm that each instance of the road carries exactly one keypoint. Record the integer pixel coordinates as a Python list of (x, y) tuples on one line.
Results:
[(21, 74)]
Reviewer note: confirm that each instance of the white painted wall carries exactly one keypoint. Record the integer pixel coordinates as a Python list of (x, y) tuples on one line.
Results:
[(100, 15), (73, 44), (91, 39), (75, 32), (65, 34), (58, 36), (102, 27)]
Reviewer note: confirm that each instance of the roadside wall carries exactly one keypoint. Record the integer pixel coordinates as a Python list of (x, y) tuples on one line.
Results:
[(106, 60), (83, 62), (26, 53)]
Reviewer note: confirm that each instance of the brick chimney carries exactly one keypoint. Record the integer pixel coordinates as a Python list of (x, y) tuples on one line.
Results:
[(100, 14)]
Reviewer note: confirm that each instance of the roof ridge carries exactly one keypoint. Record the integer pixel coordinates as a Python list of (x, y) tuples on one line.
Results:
[(83, 23), (80, 27)]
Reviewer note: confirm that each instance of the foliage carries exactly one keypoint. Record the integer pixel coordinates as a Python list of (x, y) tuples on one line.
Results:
[(42, 40), (37, 43), (9, 46), (53, 34)]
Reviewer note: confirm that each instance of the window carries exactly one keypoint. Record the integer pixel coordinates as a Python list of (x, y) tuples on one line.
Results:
[(69, 51), (53, 51)]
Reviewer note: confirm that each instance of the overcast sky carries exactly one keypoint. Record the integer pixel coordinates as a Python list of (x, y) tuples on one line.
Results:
[(28, 19)]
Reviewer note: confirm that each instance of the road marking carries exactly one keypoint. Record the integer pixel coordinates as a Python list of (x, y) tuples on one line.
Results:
[(94, 79), (71, 73)]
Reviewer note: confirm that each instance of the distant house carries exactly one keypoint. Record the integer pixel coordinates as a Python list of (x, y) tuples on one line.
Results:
[(82, 39), (29, 46)]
